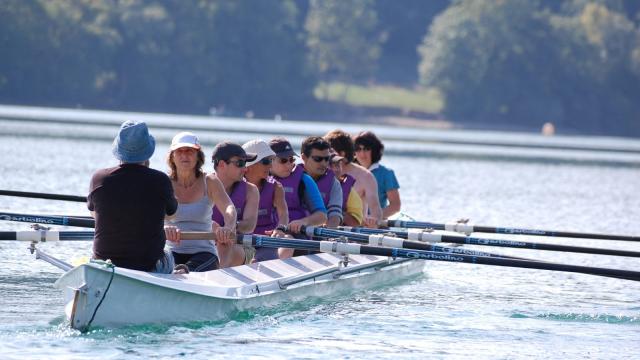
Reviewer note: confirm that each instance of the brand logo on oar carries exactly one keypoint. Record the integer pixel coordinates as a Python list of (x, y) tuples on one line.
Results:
[(481, 241), (27, 219), (431, 256)]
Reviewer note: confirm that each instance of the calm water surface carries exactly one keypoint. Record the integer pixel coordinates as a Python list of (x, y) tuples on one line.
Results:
[(452, 311)]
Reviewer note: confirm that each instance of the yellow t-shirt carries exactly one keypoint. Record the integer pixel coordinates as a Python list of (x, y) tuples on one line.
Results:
[(355, 207)]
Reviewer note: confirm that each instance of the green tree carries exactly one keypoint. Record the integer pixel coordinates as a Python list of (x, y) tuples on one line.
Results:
[(402, 25), (343, 39), (520, 64)]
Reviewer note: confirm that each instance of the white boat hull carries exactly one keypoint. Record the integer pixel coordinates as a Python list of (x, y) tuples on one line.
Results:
[(135, 297)]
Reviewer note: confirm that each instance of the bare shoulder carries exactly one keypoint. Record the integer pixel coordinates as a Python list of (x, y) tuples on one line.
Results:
[(213, 183), (252, 189)]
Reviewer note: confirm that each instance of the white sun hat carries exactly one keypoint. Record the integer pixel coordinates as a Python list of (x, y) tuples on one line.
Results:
[(185, 139), (259, 147)]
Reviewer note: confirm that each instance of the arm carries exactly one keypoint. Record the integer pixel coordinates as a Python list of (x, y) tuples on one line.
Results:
[(250, 214), (393, 196), (391, 187), (171, 202), (372, 196), (313, 200), (280, 204), (353, 214), (219, 196), (334, 207)]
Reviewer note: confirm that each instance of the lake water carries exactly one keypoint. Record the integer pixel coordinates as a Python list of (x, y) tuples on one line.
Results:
[(452, 311)]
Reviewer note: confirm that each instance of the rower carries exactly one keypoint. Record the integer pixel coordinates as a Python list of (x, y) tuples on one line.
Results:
[(316, 156), (365, 184), (304, 201), (272, 207), (229, 163), (130, 202), (352, 207), (369, 149), (197, 194)]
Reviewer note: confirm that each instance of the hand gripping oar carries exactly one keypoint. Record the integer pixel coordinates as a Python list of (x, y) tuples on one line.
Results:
[(35, 195), (427, 236), (48, 219), (468, 229), (351, 248)]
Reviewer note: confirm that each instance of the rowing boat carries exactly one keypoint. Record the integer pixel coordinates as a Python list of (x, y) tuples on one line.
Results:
[(100, 294)]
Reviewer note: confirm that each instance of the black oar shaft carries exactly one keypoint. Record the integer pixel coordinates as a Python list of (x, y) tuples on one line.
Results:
[(47, 235), (472, 240), (49, 220), (36, 195), (512, 231), (338, 247)]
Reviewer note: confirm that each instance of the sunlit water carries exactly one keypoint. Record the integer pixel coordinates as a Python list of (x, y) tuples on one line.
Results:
[(452, 311)]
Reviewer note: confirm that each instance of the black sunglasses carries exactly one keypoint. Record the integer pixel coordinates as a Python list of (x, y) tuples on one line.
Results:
[(289, 160), (266, 161), (321, 158), (239, 163)]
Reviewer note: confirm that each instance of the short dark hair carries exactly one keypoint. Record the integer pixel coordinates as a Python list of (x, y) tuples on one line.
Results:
[(314, 142), (370, 140), (341, 142)]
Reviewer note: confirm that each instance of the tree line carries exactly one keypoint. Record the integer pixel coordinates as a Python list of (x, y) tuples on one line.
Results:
[(516, 63)]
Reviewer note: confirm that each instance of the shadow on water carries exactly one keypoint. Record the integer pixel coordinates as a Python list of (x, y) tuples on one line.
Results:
[(583, 318)]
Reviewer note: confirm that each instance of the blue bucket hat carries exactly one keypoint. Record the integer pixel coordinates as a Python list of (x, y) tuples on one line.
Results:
[(133, 143)]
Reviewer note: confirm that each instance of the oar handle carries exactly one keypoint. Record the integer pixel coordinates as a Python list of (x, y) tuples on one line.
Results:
[(197, 235)]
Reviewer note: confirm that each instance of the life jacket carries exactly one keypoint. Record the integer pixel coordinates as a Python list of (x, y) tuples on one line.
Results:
[(325, 183), (347, 183), (267, 214), (292, 186), (238, 198)]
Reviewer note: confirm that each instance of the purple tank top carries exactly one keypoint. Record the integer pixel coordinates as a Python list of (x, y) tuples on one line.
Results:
[(238, 198), (325, 183), (291, 185), (347, 183)]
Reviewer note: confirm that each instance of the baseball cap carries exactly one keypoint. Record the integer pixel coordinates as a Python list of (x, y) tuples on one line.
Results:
[(226, 150), (282, 148), (185, 139), (259, 147)]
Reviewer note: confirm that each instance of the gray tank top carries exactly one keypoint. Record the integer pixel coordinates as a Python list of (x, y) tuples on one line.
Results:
[(194, 216)]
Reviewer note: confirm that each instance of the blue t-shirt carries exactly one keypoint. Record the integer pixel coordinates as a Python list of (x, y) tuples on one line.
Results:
[(386, 179)]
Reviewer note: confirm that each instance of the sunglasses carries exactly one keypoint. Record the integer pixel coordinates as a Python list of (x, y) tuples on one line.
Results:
[(238, 163), (266, 161), (362, 148), (321, 158), (289, 160)]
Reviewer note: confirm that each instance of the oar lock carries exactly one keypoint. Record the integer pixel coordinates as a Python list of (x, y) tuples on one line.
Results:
[(344, 262)]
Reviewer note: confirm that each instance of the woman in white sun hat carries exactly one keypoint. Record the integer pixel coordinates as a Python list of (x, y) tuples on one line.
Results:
[(272, 209), (197, 193)]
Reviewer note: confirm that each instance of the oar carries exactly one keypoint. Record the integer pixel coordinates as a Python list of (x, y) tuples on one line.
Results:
[(387, 241), (48, 219), (470, 240), (351, 248), (46, 235), (468, 229), (36, 195)]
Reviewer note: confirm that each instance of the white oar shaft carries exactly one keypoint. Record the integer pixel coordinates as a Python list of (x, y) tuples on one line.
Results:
[(38, 235)]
